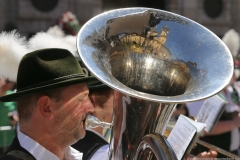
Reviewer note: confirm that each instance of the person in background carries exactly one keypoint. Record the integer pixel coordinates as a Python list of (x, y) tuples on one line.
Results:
[(6, 136), (13, 118), (52, 99), (225, 133), (12, 48), (69, 23), (180, 109), (102, 99)]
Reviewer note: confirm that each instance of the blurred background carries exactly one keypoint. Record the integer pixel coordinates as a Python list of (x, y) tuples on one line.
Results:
[(31, 16)]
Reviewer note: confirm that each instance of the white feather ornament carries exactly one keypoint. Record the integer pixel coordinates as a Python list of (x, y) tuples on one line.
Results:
[(56, 30), (237, 73), (72, 40), (12, 48), (44, 40), (231, 39)]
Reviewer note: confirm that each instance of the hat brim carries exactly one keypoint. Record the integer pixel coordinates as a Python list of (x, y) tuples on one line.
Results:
[(90, 81), (98, 85)]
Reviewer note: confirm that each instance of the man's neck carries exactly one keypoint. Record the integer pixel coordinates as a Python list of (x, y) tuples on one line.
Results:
[(48, 141)]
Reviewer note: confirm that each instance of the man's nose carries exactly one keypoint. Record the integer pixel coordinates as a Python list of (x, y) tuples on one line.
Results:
[(88, 105)]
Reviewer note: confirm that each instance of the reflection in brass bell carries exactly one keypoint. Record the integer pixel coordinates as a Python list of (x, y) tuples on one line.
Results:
[(93, 122)]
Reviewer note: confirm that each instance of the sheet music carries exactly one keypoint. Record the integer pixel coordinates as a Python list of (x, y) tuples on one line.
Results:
[(210, 111), (181, 135)]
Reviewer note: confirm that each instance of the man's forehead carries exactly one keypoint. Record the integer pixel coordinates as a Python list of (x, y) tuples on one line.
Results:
[(80, 88)]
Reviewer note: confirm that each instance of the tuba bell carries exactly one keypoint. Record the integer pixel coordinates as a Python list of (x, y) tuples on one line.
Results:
[(153, 59)]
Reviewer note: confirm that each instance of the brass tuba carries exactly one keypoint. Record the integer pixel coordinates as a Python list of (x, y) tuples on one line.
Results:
[(153, 59)]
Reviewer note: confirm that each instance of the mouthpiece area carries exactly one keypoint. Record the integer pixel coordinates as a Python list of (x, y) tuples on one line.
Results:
[(93, 122)]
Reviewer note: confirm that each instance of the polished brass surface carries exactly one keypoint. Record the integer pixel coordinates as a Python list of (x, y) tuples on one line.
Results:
[(156, 76), (93, 122), (143, 63), (153, 147), (133, 119), (153, 59), (168, 57)]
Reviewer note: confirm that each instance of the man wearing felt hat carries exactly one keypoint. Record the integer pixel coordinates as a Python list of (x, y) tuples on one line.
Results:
[(52, 97), (93, 145)]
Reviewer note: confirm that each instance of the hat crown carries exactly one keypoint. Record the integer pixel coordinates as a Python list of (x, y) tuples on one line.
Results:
[(46, 66)]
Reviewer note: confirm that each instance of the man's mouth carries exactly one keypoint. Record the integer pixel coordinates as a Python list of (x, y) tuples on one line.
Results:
[(84, 121), (84, 125)]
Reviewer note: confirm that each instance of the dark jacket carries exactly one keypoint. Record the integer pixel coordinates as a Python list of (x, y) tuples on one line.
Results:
[(15, 146)]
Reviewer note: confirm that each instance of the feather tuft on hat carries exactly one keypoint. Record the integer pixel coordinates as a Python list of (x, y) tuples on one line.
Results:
[(45, 40), (231, 39), (12, 48), (56, 30)]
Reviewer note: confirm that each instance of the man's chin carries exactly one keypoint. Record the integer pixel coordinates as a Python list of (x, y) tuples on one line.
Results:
[(79, 132), (77, 137), (83, 134)]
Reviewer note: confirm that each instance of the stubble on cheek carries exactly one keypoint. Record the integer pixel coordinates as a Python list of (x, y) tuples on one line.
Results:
[(70, 120), (79, 122), (79, 131)]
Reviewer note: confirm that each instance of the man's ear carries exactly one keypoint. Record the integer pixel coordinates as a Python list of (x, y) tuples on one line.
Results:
[(45, 108)]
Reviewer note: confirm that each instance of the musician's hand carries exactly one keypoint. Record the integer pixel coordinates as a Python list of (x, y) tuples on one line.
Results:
[(13, 118), (209, 154)]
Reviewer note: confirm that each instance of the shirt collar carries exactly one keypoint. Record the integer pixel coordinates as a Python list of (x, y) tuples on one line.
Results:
[(41, 153)]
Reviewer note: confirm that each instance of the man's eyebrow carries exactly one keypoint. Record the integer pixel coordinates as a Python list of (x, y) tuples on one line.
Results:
[(86, 94)]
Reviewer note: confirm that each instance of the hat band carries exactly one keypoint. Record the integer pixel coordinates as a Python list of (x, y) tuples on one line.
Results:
[(52, 81)]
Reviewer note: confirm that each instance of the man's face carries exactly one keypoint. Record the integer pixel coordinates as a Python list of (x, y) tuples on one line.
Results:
[(71, 111)]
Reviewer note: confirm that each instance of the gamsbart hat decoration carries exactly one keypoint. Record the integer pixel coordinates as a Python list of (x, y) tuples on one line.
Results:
[(232, 40), (12, 48), (46, 69), (43, 40)]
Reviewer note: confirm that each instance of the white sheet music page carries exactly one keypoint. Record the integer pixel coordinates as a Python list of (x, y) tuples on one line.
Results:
[(181, 135), (210, 111)]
